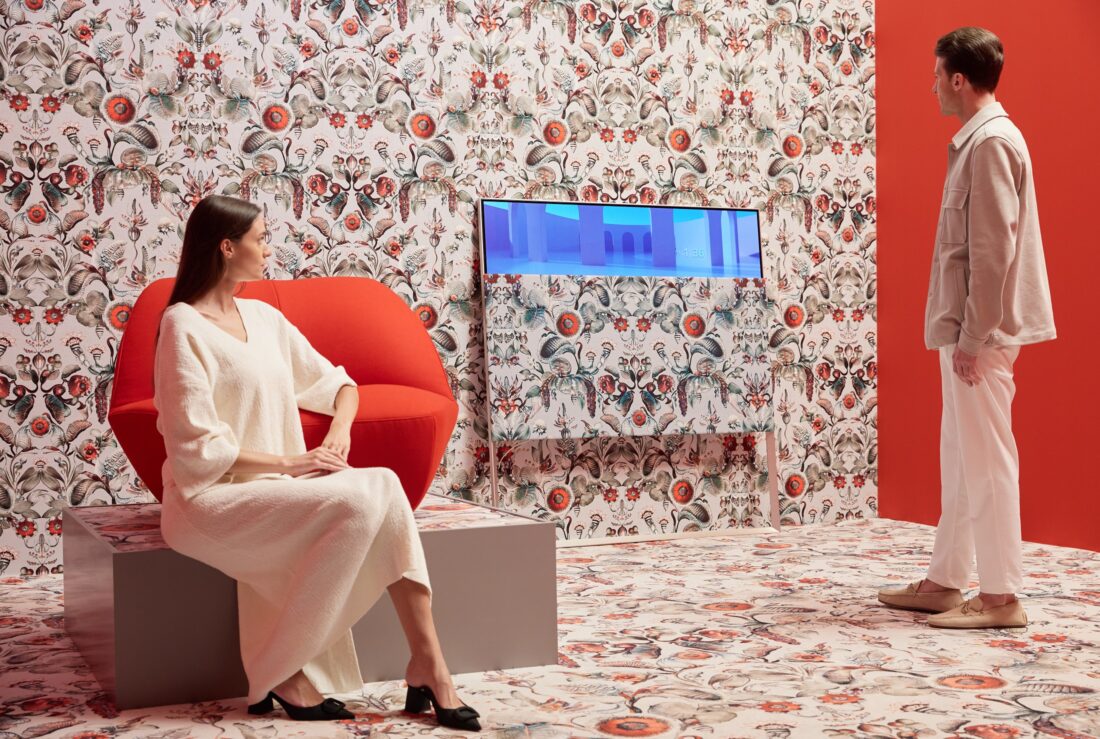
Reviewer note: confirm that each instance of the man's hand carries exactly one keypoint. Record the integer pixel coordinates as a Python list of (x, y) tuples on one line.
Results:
[(338, 439), (966, 367)]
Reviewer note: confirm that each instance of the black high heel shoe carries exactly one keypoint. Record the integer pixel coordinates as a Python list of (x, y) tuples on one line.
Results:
[(329, 709), (418, 699)]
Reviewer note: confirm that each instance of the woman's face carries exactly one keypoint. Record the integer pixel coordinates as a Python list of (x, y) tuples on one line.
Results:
[(245, 257)]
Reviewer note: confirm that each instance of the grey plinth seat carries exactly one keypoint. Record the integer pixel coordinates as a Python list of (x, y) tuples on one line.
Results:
[(158, 628)]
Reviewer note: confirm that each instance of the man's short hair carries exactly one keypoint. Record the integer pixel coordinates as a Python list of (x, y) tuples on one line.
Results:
[(975, 53)]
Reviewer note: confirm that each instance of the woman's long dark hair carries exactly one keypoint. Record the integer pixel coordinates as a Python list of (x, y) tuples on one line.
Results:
[(202, 263)]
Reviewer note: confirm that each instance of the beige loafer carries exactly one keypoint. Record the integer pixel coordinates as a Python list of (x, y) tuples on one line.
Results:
[(974, 615), (907, 598)]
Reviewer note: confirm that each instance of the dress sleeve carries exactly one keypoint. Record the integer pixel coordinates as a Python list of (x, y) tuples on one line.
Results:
[(201, 448), (316, 379)]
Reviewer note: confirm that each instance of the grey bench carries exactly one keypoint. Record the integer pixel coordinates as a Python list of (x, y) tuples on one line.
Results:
[(159, 628)]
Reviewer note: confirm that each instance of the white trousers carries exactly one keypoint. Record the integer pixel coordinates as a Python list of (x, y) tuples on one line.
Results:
[(979, 477)]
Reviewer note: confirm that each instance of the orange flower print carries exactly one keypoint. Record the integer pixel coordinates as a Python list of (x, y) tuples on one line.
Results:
[(21, 316), (618, 48), (350, 27), (556, 133), (421, 125), (746, 98), (972, 682), (119, 316), (779, 706), (276, 117), (364, 121), (211, 60), (638, 417), (633, 726), (682, 492), (500, 80), (186, 58), (795, 485), (569, 323), (793, 146), (352, 222), (50, 104), (694, 325), (426, 314), (557, 500), (40, 426), (119, 109), (37, 213), (838, 698), (679, 139), (794, 315), (478, 78)]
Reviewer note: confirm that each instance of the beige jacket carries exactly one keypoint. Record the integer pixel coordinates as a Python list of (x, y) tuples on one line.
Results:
[(989, 278)]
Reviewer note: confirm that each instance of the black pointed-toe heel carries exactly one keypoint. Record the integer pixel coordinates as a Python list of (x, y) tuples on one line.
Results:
[(264, 706), (418, 699), (329, 709)]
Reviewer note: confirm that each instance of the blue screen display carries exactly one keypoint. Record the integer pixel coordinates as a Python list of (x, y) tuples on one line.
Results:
[(552, 238)]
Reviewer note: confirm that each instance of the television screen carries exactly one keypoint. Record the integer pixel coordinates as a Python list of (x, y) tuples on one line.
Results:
[(531, 237)]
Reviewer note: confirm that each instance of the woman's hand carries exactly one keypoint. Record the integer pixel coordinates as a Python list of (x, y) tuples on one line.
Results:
[(338, 439), (315, 459)]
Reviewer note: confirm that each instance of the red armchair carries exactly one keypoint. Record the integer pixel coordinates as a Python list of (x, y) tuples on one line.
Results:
[(406, 409)]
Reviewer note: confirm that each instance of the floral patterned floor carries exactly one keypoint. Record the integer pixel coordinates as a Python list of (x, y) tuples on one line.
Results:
[(771, 635)]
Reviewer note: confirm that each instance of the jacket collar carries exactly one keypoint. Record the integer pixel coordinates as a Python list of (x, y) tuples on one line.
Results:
[(982, 117)]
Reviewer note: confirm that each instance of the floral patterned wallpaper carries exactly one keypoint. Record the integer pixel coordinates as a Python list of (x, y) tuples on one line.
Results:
[(367, 130)]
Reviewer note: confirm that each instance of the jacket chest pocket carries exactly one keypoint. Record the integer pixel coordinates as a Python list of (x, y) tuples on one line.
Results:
[(953, 217)]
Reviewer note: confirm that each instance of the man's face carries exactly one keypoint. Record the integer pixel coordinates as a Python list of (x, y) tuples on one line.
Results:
[(944, 89)]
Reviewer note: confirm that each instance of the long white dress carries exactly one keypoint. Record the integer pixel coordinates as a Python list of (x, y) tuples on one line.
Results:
[(310, 556)]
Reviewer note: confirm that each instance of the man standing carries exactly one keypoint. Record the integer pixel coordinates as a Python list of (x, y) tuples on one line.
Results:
[(988, 296)]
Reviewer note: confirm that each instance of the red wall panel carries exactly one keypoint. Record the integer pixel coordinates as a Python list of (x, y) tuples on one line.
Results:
[(1049, 88)]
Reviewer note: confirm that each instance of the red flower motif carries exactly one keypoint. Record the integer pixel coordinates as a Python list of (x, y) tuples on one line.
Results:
[(54, 527), (646, 18), (89, 452), (633, 493), (606, 134), (857, 148), (426, 314), (846, 67), (746, 97), (185, 58), (75, 175), (53, 316), (500, 80), (821, 34), (638, 417), (779, 706), (822, 202), (840, 481), (317, 184), (630, 135), (647, 196), (22, 316), (478, 78), (679, 139), (653, 75), (588, 12), (837, 147), (838, 314), (682, 492), (391, 55), (40, 426), (818, 424), (119, 316), (25, 528), (33, 4), (350, 26), (276, 117), (858, 481), (85, 242), (569, 323), (993, 731), (857, 314), (352, 221), (694, 325), (556, 133), (364, 121), (309, 247), (336, 120), (643, 324), (795, 486), (793, 146), (37, 213), (794, 316), (308, 49), (870, 204), (211, 60), (610, 495), (119, 109), (590, 194), (816, 88), (50, 104), (422, 125), (84, 33), (664, 383), (618, 48), (557, 500), (606, 384), (394, 248), (621, 324), (838, 698), (384, 186), (849, 401), (727, 96), (581, 70)]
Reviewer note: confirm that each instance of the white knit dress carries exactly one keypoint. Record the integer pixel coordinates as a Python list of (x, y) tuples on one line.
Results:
[(310, 556)]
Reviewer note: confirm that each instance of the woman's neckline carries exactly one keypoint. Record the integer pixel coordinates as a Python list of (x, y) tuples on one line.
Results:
[(240, 314)]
